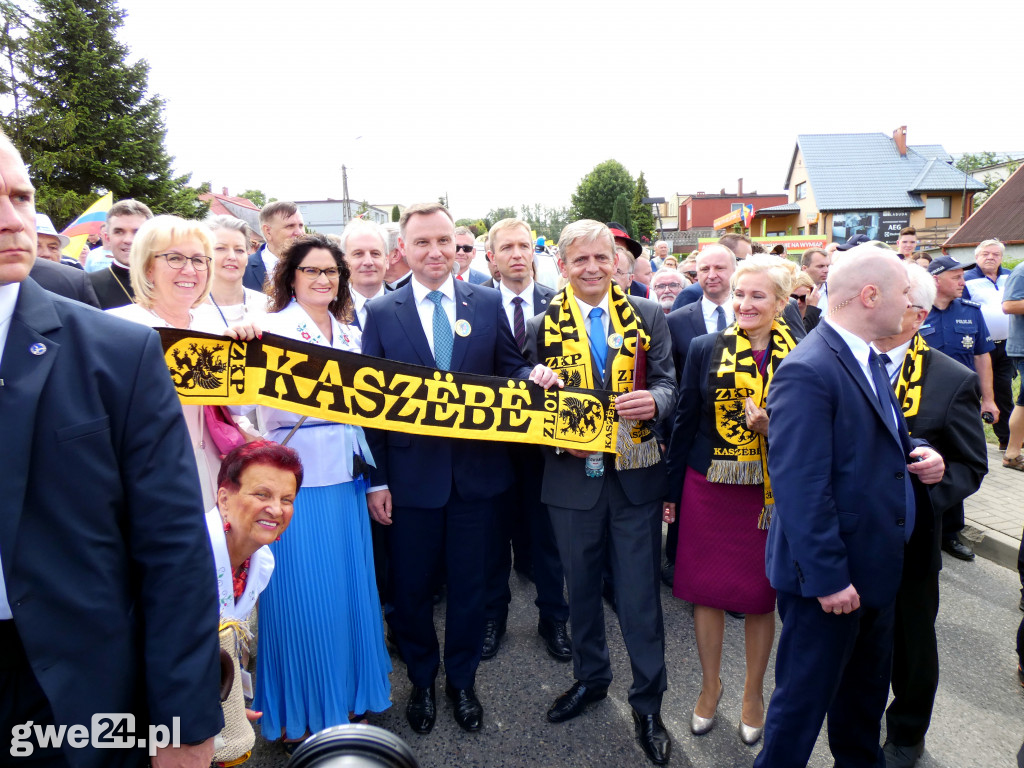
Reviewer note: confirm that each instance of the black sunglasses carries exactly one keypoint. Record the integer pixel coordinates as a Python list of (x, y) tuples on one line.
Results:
[(465, 248), (798, 298)]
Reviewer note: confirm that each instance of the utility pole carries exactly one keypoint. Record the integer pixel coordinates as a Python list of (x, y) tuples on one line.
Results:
[(346, 205)]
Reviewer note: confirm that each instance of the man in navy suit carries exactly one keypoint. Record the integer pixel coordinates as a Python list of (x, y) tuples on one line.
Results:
[(438, 494), (740, 245), (465, 250), (107, 594), (841, 463), (522, 521), (280, 222)]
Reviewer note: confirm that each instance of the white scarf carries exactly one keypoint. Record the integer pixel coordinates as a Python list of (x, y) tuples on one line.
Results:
[(261, 565)]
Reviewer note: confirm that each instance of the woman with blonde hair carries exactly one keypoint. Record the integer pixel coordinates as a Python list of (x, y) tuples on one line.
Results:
[(717, 464)]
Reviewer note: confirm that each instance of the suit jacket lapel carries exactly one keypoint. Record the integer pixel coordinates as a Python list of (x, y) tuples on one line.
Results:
[(28, 358), (409, 317), (540, 300), (697, 319), (465, 309), (850, 362)]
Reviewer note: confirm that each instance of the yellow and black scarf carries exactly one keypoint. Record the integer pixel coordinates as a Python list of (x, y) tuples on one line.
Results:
[(564, 347), (910, 383), (738, 455)]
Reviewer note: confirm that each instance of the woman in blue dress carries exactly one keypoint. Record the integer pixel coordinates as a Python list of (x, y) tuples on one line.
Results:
[(322, 659)]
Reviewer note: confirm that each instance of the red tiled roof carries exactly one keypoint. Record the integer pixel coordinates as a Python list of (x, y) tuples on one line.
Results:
[(1000, 217)]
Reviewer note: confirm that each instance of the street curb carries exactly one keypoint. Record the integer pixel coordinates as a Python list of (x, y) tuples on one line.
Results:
[(992, 545)]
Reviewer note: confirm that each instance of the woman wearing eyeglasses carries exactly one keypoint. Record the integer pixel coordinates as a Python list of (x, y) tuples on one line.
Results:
[(170, 270), (322, 659)]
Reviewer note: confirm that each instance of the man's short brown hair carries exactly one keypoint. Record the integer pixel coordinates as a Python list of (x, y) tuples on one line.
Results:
[(281, 208), (421, 209), (908, 231), (129, 207)]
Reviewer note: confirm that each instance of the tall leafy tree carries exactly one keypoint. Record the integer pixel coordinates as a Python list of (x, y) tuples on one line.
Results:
[(87, 124), (497, 214), (620, 214), (595, 195), (257, 197), (643, 217), (969, 163)]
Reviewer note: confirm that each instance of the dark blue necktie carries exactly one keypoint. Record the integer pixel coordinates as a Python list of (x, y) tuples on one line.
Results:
[(720, 314), (598, 343)]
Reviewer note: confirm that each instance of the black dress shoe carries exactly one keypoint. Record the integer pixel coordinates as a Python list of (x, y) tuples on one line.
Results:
[(668, 574), (556, 638), (493, 632), (653, 737), (572, 703), (957, 549), (901, 757), (421, 711), (469, 714)]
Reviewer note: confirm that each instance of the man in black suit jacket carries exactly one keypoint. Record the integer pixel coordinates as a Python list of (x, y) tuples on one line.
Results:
[(947, 417), (617, 514), (107, 591), (113, 284), (64, 281), (522, 521), (280, 223)]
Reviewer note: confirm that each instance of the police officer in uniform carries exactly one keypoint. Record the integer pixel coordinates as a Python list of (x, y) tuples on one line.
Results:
[(956, 327)]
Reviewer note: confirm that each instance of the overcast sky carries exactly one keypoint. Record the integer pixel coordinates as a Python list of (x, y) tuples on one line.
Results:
[(501, 104)]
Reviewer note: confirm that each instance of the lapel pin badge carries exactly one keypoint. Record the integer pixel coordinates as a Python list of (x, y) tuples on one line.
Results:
[(615, 340), (462, 327), (38, 348)]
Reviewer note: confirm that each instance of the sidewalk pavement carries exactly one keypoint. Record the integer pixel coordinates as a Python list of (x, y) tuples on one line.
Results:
[(995, 514)]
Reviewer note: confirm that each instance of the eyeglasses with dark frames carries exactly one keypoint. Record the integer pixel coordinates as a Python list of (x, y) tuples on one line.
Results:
[(314, 272), (177, 261)]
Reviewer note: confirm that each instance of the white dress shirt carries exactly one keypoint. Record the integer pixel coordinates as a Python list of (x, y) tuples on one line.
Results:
[(359, 302), (425, 306), (896, 356), (269, 260), (506, 301), (585, 309), (8, 298), (708, 307)]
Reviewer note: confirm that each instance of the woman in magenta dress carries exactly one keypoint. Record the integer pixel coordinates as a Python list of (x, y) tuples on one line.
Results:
[(717, 466)]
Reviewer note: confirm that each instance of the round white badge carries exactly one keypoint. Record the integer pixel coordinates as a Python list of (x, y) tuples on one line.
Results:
[(462, 327), (615, 340)]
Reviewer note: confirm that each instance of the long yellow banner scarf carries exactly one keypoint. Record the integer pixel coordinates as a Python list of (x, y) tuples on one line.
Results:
[(341, 386), (740, 456), (911, 381), (564, 347)]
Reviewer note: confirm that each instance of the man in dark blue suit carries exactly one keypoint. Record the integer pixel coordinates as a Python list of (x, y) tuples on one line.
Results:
[(280, 222), (841, 463), (438, 494), (107, 593), (740, 245), (522, 522)]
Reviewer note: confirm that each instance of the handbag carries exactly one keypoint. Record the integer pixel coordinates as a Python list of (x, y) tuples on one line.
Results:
[(233, 745), (223, 431)]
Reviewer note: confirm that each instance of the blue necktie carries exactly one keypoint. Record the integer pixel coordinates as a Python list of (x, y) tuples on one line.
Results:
[(443, 340), (887, 399), (598, 343), (720, 314)]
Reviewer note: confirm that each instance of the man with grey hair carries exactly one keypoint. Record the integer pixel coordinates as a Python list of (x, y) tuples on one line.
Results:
[(364, 244), (398, 273), (939, 398), (985, 283), (113, 284), (845, 505), (666, 285), (280, 223), (465, 250), (661, 251)]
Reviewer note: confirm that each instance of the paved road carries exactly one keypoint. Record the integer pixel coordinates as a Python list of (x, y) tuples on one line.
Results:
[(978, 722)]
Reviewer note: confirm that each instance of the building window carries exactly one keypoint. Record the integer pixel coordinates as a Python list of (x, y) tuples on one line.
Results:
[(937, 207), (735, 207), (800, 231), (813, 229), (801, 190)]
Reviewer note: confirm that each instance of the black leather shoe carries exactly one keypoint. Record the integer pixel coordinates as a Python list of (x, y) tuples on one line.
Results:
[(493, 632), (572, 703), (901, 757), (957, 549), (421, 711), (469, 713), (668, 574), (653, 737), (556, 638)]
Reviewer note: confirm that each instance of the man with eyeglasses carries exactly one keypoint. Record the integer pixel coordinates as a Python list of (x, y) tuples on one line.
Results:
[(465, 250), (666, 285), (113, 284)]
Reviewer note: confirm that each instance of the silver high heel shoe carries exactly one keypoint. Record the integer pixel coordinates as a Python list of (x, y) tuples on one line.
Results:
[(750, 735), (701, 725)]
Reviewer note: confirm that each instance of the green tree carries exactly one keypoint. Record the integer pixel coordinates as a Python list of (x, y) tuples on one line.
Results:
[(546, 222), (969, 163), (257, 197), (396, 215), (595, 195), (620, 214), (15, 26), (497, 214), (640, 212), (87, 124)]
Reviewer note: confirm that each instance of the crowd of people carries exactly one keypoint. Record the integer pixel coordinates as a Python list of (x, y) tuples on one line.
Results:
[(344, 537)]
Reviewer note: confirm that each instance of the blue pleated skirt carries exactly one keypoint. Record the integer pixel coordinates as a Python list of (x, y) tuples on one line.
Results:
[(321, 648)]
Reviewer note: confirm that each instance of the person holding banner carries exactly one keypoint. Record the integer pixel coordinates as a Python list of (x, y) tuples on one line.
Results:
[(606, 507), (438, 495), (322, 659), (719, 447)]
